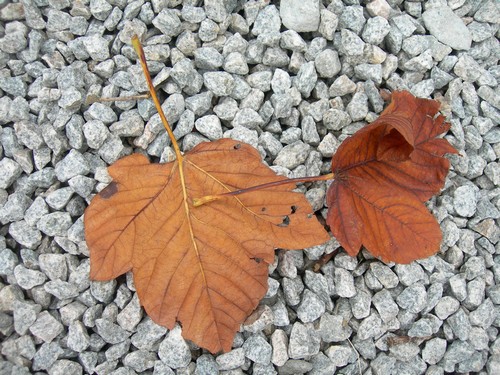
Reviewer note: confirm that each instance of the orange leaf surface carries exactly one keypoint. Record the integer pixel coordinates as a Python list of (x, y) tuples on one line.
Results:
[(206, 266), (384, 173)]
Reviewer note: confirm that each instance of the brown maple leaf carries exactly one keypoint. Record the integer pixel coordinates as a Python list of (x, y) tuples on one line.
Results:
[(383, 174), (203, 265)]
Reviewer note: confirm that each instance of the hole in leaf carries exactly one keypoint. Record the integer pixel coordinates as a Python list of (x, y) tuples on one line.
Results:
[(237, 146), (293, 209), (285, 222), (109, 190)]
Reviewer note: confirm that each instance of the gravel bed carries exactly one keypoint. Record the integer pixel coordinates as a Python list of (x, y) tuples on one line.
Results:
[(293, 78)]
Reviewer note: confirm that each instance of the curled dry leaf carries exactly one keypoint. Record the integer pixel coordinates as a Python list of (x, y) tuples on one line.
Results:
[(383, 174), (204, 266)]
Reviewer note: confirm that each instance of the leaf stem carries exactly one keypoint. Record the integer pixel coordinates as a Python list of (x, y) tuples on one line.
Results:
[(210, 198), (142, 58), (93, 98)]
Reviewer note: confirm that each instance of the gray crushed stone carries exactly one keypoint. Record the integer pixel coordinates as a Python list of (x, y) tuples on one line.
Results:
[(293, 79)]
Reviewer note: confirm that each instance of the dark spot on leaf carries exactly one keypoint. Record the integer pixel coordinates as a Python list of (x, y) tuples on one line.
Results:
[(237, 146), (293, 209), (109, 190), (309, 216), (263, 209), (285, 222), (257, 260)]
